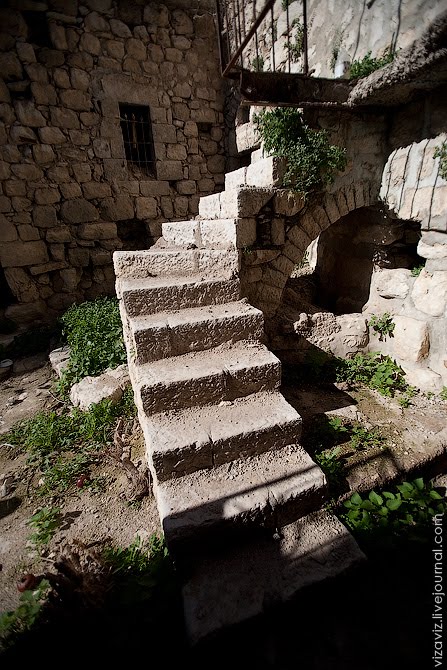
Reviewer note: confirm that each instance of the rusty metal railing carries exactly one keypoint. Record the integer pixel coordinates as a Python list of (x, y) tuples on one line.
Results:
[(249, 40)]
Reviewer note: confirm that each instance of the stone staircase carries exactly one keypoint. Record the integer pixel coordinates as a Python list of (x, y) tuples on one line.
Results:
[(238, 497)]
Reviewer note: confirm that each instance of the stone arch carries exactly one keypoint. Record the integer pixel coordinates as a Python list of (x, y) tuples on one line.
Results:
[(270, 269)]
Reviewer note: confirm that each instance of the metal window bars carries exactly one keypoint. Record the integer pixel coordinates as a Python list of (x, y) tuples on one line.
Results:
[(136, 128), (243, 27)]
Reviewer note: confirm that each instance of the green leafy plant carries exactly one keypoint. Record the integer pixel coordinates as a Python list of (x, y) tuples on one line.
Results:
[(416, 271), (311, 161), (50, 437), (25, 616), (296, 47), (443, 394), (331, 465), (406, 510), (336, 48), (366, 438), (441, 153), (384, 325), (94, 335), (286, 3), (405, 399), (258, 64), (142, 569), (367, 65), (45, 523), (375, 370)]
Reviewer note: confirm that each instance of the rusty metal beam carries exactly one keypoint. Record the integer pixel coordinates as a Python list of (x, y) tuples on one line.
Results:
[(247, 38), (284, 89)]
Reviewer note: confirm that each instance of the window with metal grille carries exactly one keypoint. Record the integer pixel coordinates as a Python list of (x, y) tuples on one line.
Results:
[(135, 121)]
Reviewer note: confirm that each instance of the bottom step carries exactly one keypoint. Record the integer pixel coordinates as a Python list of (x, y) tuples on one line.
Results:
[(236, 585)]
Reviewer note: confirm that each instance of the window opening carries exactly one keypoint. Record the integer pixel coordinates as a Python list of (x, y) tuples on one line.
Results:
[(136, 127)]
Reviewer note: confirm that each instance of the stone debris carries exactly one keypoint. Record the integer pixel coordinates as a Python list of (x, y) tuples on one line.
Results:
[(110, 385)]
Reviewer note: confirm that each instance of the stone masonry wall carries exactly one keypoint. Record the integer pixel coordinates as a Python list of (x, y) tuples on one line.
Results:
[(68, 196)]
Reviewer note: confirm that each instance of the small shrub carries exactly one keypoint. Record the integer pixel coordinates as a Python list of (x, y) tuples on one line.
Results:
[(94, 334), (407, 510), (375, 370), (296, 46), (443, 393), (311, 161), (364, 67), (331, 465), (258, 64), (366, 438), (416, 271), (441, 153), (384, 325), (336, 45), (286, 3), (25, 616), (45, 523)]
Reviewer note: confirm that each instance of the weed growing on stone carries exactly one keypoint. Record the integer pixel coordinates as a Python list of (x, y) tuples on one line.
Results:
[(367, 65), (258, 64), (331, 465), (296, 47), (45, 523), (443, 393), (405, 511), (365, 438), (441, 153), (384, 325), (311, 160), (94, 335), (416, 271)]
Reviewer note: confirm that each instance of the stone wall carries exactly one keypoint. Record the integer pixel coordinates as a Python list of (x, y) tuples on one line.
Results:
[(68, 196)]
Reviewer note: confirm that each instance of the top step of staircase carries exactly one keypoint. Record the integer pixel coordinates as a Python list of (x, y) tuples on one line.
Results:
[(176, 262)]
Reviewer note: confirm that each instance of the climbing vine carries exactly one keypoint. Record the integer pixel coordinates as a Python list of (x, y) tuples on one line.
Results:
[(311, 159)]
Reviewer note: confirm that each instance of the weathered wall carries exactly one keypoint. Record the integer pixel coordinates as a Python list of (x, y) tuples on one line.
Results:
[(68, 196)]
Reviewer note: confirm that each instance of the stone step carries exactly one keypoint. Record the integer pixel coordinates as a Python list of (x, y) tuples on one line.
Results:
[(240, 582), (211, 233), (269, 490), (263, 173), (168, 334), (222, 373), (234, 203), (181, 442), (159, 294), (176, 262)]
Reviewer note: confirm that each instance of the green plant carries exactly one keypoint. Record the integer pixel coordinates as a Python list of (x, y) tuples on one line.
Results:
[(94, 335), (406, 510), (384, 325), (24, 617), (286, 3), (331, 465), (258, 64), (441, 153), (364, 67), (405, 399), (296, 47), (443, 393), (141, 569), (366, 438), (45, 523), (375, 370), (336, 48), (311, 161), (416, 271), (49, 438)]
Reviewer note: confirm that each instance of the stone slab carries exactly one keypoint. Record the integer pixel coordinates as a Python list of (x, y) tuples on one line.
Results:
[(174, 333), (204, 377), (175, 262), (184, 441), (267, 491), (236, 584), (157, 294)]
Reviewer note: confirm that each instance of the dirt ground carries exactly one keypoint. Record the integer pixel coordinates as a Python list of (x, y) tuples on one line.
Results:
[(87, 516)]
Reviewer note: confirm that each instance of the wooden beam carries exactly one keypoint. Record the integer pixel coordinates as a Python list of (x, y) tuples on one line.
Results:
[(284, 89)]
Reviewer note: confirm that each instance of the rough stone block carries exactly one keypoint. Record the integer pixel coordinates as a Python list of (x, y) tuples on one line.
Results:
[(429, 293), (91, 390), (79, 210), (19, 254), (44, 216), (98, 231), (411, 340)]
